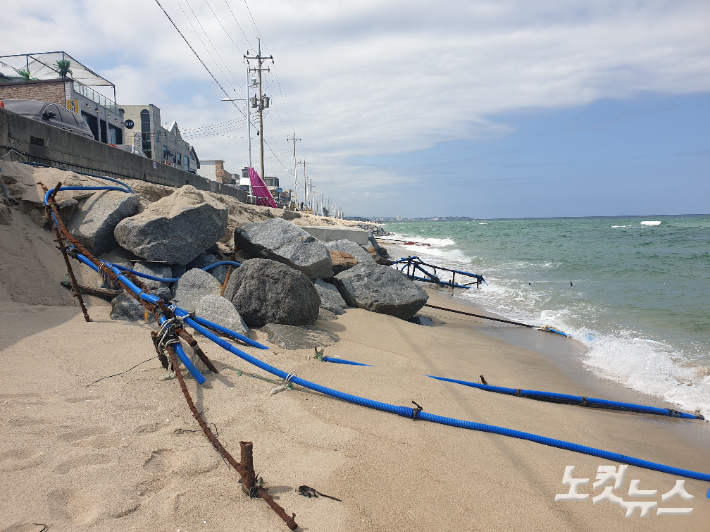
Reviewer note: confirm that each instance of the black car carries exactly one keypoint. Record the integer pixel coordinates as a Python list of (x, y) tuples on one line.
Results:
[(52, 114)]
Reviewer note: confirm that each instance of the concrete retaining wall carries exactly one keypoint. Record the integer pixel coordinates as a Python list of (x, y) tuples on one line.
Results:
[(42, 143)]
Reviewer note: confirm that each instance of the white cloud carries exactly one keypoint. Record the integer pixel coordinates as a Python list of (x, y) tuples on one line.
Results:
[(363, 78)]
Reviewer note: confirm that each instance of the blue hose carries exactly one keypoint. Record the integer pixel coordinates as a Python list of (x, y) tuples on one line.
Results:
[(590, 401), (202, 323), (408, 412), (129, 189), (46, 195), (560, 444), (168, 279), (342, 361), (403, 410)]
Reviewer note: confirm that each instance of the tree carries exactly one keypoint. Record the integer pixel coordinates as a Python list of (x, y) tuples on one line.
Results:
[(25, 74), (63, 66)]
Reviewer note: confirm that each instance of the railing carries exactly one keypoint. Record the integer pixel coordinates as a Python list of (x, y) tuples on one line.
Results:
[(415, 264), (96, 97)]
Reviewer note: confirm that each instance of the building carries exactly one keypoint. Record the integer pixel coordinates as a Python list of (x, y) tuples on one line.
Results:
[(161, 144), (59, 78), (214, 171)]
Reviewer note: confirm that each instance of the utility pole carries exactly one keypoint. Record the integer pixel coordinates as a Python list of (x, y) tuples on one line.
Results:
[(260, 103), (295, 188), (304, 163)]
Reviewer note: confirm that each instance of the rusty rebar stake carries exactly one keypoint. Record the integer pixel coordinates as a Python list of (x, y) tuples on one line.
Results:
[(247, 463), (74, 284)]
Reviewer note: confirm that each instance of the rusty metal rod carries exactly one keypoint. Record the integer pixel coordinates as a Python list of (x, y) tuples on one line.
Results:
[(74, 284), (247, 463), (290, 521)]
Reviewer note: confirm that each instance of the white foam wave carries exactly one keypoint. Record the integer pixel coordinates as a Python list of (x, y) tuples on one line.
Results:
[(650, 367), (649, 222)]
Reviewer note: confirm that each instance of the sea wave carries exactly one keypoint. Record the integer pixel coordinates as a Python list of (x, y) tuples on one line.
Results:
[(624, 356)]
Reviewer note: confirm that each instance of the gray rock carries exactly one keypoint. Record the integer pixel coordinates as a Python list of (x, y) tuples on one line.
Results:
[(220, 311), (330, 298), (382, 252), (305, 337), (422, 320), (279, 240), (177, 270), (124, 307), (96, 217), (201, 261), (350, 247), (162, 290), (326, 315), (265, 291), (207, 259), (192, 287), (175, 229), (380, 289)]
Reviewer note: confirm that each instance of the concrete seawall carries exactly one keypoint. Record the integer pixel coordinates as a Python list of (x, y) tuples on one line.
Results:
[(50, 145)]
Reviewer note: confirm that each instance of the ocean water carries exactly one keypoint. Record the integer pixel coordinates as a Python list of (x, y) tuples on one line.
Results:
[(639, 298)]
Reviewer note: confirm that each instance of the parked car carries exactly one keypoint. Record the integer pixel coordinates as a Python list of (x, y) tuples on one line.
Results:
[(130, 148), (50, 113)]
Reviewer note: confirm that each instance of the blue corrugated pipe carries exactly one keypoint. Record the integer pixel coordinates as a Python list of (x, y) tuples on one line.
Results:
[(84, 173), (169, 279), (343, 361), (409, 412), (587, 401)]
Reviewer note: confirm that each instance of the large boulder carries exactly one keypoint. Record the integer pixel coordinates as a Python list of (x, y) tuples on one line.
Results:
[(282, 241), (96, 217), (192, 287), (220, 311), (351, 248), (156, 269), (265, 291), (380, 289), (330, 298), (174, 229)]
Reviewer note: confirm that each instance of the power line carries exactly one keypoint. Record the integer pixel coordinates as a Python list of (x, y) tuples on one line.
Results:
[(196, 54), (209, 40), (238, 25)]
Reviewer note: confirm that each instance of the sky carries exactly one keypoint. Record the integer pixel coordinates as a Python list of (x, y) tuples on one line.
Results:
[(500, 108)]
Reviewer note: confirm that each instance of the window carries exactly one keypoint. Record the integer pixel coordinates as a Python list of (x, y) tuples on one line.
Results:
[(145, 132)]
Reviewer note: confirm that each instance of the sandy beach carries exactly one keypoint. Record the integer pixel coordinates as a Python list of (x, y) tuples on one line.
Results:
[(125, 453)]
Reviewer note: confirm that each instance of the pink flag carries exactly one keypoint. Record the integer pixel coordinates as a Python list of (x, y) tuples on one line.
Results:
[(259, 190)]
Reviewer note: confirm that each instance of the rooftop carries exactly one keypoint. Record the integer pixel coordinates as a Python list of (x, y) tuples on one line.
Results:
[(43, 66)]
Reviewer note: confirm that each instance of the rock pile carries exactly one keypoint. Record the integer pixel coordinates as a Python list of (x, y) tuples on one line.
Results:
[(173, 234)]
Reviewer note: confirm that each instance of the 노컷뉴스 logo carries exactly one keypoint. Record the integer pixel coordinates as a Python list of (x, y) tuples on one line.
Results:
[(607, 474)]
